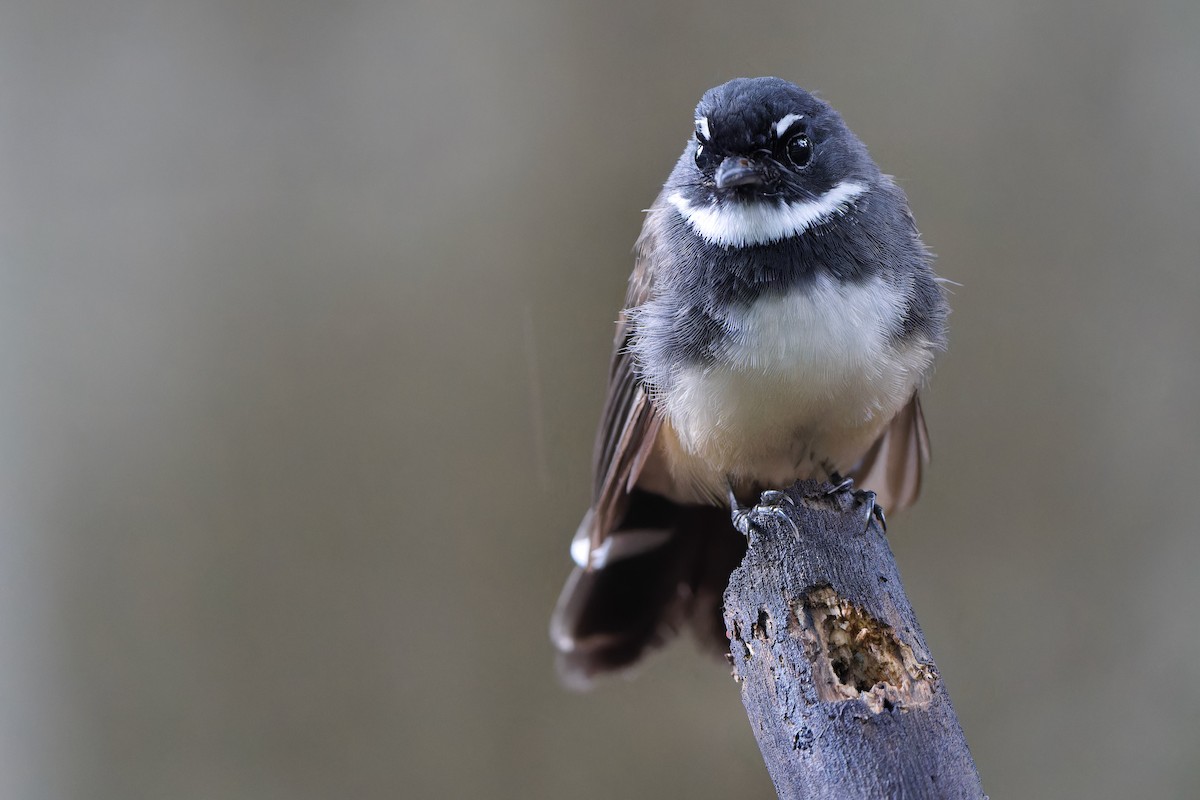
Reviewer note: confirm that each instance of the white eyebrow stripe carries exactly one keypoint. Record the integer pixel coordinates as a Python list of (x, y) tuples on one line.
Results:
[(746, 224), (702, 127), (785, 123)]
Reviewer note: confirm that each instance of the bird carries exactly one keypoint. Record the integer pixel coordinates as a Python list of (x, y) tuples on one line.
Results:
[(781, 318)]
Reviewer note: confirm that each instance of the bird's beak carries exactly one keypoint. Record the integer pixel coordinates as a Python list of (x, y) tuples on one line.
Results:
[(737, 171)]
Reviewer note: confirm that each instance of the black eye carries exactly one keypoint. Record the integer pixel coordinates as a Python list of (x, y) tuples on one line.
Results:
[(799, 150), (706, 158)]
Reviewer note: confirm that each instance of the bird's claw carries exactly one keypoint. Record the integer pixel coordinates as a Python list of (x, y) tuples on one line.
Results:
[(862, 496), (874, 510), (839, 484), (771, 503), (775, 499)]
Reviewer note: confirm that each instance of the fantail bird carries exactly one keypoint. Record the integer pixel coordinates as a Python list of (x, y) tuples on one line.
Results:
[(781, 317)]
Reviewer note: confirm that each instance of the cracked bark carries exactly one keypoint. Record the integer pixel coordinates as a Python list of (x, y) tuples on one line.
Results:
[(840, 688)]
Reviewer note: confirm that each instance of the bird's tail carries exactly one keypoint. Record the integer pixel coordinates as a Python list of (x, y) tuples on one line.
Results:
[(664, 567)]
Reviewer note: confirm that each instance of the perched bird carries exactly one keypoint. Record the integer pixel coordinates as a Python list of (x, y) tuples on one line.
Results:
[(781, 317)]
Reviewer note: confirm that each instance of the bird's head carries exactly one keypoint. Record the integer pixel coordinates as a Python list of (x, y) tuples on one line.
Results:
[(765, 160)]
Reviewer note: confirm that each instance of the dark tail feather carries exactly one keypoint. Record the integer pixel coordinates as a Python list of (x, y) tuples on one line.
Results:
[(721, 549), (609, 616)]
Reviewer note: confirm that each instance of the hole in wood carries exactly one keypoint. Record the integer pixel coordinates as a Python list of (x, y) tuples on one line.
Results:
[(761, 628), (855, 655)]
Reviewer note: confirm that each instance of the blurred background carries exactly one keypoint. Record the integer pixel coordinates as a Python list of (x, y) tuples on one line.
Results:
[(305, 312)]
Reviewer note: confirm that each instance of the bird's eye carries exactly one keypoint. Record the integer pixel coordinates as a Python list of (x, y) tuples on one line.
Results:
[(799, 150), (706, 158)]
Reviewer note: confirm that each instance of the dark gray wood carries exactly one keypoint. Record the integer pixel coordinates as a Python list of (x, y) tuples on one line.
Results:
[(840, 688)]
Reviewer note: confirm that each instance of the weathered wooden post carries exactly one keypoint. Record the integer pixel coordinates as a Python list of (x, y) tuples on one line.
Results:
[(841, 690)]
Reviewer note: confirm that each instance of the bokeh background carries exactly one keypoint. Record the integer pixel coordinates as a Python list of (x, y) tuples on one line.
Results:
[(304, 321)]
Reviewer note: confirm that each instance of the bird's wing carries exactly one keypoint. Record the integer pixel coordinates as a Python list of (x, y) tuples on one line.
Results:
[(630, 422), (892, 467)]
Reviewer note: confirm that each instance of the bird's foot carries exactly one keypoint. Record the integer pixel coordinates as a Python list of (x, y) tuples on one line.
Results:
[(839, 484), (770, 503), (874, 510), (861, 496)]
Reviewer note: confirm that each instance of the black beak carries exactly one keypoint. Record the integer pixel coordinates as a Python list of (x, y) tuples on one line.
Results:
[(737, 171)]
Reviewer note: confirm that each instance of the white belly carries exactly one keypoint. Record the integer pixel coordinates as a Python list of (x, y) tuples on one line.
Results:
[(805, 385)]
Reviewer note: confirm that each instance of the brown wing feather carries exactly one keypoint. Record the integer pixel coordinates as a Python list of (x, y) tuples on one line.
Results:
[(629, 422), (893, 466)]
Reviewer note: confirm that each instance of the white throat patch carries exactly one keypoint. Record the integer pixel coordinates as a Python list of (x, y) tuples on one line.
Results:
[(742, 224)]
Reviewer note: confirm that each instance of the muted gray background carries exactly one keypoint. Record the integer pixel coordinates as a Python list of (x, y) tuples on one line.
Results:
[(304, 319)]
